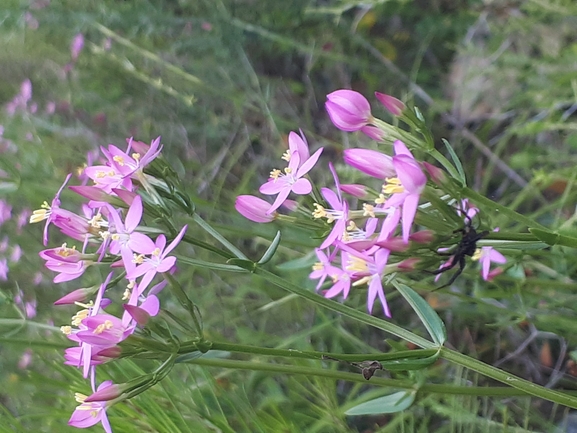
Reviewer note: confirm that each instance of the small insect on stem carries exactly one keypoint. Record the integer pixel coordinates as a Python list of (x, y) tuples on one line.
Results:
[(466, 247), (368, 368)]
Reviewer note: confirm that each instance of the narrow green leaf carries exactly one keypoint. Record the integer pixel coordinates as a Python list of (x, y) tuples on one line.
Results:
[(271, 249), (391, 403), (410, 364), (551, 238), (241, 263), (428, 316), (456, 161)]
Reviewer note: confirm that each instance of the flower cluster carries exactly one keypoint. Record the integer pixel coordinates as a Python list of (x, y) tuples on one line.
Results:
[(359, 245), (110, 233)]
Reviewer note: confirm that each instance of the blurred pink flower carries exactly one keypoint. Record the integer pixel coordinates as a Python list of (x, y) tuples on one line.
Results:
[(348, 110)]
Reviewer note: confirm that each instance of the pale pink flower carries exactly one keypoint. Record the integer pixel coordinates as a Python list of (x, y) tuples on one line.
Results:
[(159, 261), (91, 413), (291, 180), (348, 110)]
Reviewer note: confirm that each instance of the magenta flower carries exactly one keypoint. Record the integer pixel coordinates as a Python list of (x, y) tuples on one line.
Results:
[(124, 239), (488, 255), (348, 110), (108, 178), (393, 105), (76, 46), (103, 330), (323, 268), (89, 414), (291, 180), (49, 212), (371, 162), (407, 187), (297, 143), (339, 211), (369, 270), (254, 209), (159, 261), (68, 262)]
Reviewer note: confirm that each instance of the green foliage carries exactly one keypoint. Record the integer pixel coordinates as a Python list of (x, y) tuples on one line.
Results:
[(223, 83)]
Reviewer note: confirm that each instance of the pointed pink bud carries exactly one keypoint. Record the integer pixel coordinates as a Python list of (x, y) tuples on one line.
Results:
[(290, 205), (422, 237), (408, 265), (254, 209), (395, 244), (348, 110), (392, 104), (435, 173), (109, 393), (110, 352), (354, 189), (91, 193), (141, 316), (371, 162), (373, 132), (79, 295)]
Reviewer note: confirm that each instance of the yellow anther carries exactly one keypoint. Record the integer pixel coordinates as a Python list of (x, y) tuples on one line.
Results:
[(66, 330), (138, 259), (381, 199), (275, 174), (103, 327), (136, 156), (286, 156), (369, 210), (126, 294), (118, 159), (288, 170), (318, 266), (319, 211), (80, 397), (393, 186), (477, 255), (39, 215)]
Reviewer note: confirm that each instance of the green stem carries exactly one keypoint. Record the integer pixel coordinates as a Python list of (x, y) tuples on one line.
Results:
[(485, 391), (479, 199), (185, 301), (206, 246), (347, 311), (466, 361), (508, 379), (206, 227), (445, 163), (188, 347)]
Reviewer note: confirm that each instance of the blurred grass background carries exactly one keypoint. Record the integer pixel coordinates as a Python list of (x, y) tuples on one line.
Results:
[(224, 82)]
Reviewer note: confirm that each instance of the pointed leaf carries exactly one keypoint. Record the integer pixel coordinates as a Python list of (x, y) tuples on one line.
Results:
[(271, 249), (391, 403), (428, 316)]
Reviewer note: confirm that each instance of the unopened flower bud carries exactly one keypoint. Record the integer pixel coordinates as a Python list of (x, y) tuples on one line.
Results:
[(392, 104)]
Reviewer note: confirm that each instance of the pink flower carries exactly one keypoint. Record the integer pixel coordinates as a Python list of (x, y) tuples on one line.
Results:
[(254, 209), (291, 180), (407, 187), (89, 414), (393, 105), (370, 270), (348, 110), (339, 212), (76, 46), (371, 162), (124, 239), (47, 212), (68, 262), (487, 256), (159, 261), (103, 330)]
